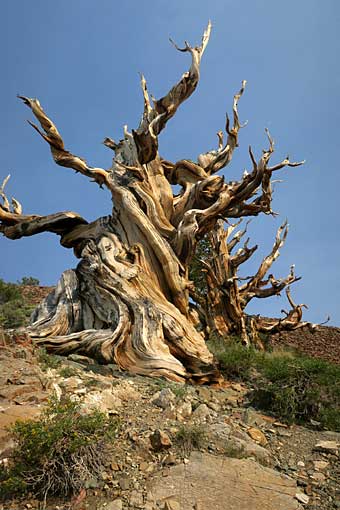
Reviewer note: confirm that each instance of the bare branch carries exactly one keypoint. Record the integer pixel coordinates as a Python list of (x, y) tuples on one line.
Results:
[(293, 319), (257, 281), (61, 156), (5, 204), (111, 144), (155, 119), (243, 254), (14, 224), (5, 208), (214, 161), (58, 223), (237, 237)]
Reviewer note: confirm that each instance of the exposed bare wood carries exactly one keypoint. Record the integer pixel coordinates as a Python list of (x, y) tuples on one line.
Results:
[(60, 155), (128, 298)]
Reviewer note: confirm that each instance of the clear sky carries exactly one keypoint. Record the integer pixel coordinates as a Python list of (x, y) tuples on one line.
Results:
[(81, 58)]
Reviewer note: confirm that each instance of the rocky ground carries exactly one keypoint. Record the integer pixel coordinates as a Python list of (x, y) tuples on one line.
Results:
[(178, 447), (323, 343)]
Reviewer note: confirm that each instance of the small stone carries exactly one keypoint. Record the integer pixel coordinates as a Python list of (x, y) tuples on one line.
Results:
[(172, 504), (117, 504), (114, 466), (320, 465), (91, 483), (292, 465), (201, 413), (169, 460), (283, 433), (163, 399), (315, 423), (103, 400), (136, 499), (80, 359), (214, 406), (301, 463), (204, 393), (327, 446), (124, 483), (318, 477), (160, 440), (303, 498), (258, 436), (184, 410)]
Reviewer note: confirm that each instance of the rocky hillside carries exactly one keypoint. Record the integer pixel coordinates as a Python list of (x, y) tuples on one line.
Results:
[(34, 294), (323, 343), (177, 447)]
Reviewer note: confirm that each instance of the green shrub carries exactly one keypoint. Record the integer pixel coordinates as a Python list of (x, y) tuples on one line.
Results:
[(235, 360), (59, 452), (48, 360), (67, 372), (15, 311), (8, 292), (293, 387), (300, 389), (29, 280), (14, 314)]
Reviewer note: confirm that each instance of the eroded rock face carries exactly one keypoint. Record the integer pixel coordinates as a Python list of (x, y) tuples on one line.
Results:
[(219, 483)]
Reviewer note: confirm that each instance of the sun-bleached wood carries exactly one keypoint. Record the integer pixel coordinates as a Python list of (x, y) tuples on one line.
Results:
[(128, 300)]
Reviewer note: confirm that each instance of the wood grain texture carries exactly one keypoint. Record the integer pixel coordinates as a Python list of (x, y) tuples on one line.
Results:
[(128, 299)]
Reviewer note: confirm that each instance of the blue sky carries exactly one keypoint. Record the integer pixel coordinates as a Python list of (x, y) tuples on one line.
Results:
[(81, 58)]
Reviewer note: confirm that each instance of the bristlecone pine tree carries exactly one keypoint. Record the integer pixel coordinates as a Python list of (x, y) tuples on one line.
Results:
[(128, 300)]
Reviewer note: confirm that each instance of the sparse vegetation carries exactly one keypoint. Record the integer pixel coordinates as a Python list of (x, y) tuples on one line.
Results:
[(29, 280), (57, 453), (235, 360), (292, 386), (15, 311), (67, 371), (48, 360), (191, 437), (178, 389)]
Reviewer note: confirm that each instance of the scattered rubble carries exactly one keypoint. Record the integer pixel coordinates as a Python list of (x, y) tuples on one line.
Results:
[(247, 455)]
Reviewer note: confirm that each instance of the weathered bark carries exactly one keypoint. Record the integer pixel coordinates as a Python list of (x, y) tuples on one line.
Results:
[(128, 298)]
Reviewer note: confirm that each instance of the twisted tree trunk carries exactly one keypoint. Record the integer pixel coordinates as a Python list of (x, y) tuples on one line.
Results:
[(128, 298)]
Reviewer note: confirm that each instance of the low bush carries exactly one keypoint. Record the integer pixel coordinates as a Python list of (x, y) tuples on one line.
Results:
[(300, 389), (15, 311), (235, 360), (48, 360), (29, 280), (292, 386), (58, 453)]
